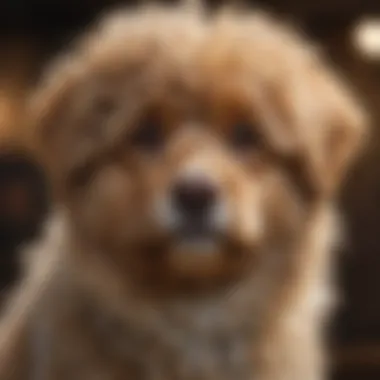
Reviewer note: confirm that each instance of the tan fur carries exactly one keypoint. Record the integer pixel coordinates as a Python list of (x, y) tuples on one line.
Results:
[(122, 300)]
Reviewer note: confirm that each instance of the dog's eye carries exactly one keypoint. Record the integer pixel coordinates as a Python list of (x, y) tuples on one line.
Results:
[(148, 135), (82, 175), (243, 136)]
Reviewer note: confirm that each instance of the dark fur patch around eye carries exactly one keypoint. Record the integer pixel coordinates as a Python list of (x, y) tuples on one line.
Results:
[(82, 175), (243, 136), (148, 135)]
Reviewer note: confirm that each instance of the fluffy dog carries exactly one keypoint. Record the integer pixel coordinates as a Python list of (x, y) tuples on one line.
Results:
[(194, 160)]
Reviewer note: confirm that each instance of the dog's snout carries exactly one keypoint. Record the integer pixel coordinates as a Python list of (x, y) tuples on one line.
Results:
[(195, 196)]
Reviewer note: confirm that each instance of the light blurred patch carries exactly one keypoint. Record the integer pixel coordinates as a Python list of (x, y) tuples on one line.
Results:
[(366, 38)]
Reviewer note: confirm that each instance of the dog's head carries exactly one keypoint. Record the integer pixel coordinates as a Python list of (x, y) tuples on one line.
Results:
[(186, 147)]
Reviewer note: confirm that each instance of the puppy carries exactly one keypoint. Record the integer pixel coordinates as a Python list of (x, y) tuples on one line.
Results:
[(194, 162)]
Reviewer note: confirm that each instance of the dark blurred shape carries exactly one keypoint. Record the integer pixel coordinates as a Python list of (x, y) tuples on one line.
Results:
[(49, 19), (23, 205)]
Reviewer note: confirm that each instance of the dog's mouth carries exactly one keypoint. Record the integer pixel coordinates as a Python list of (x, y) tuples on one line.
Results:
[(197, 237), (202, 242), (193, 252), (196, 240), (203, 251)]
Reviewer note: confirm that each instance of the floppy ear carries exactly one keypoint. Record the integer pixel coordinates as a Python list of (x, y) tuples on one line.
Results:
[(339, 130), (49, 113), (326, 122), (68, 113)]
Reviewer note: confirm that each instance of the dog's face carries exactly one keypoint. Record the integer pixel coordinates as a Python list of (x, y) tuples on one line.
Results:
[(193, 150)]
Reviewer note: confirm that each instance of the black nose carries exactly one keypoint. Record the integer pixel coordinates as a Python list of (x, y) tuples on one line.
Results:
[(194, 197)]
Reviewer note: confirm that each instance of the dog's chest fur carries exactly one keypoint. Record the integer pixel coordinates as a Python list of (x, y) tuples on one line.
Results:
[(183, 341)]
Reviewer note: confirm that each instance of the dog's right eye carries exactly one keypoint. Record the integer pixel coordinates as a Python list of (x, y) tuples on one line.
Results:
[(244, 137), (148, 135)]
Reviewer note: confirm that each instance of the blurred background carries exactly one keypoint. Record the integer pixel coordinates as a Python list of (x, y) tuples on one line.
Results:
[(33, 31)]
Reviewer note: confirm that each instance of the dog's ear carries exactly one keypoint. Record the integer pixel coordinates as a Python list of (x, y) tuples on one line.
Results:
[(338, 130), (51, 116), (327, 123)]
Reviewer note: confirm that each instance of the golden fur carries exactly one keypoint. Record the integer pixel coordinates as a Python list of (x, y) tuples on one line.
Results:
[(127, 301)]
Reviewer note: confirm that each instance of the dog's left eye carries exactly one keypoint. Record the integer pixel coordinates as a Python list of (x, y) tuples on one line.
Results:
[(243, 136), (148, 135)]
